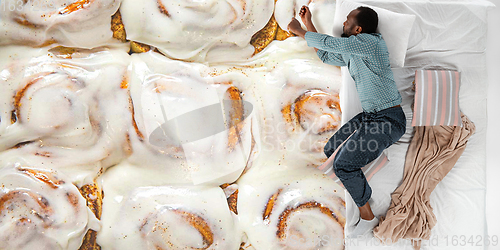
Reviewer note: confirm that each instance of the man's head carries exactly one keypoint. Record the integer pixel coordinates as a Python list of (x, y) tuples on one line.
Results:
[(360, 20)]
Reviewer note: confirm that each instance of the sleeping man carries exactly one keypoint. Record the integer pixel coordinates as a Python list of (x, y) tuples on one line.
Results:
[(382, 122)]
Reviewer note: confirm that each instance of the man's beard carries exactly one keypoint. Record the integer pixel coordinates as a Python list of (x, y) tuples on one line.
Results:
[(343, 33)]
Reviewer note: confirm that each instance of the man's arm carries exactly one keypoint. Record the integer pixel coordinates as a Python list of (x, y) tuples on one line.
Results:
[(331, 58), (342, 45), (294, 26), (351, 45), (327, 57)]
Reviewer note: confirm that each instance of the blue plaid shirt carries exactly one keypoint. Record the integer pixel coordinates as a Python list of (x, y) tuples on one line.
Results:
[(367, 58)]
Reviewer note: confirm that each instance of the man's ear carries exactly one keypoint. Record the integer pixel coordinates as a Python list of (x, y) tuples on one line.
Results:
[(358, 29)]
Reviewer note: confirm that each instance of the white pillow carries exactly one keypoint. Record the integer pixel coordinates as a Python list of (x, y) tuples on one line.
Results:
[(394, 27)]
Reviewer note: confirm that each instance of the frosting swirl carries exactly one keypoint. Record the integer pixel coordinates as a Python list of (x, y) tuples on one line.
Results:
[(138, 215), (63, 105), (82, 23), (300, 108), (39, 209), (301, 209), (207, 30), (197, 127)]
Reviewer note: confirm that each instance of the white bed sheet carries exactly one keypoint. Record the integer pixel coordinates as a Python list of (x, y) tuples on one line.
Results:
[(446, 35), (493, 134)]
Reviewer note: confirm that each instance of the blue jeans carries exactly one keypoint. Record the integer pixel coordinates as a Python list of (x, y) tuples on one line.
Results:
[(371, 134)]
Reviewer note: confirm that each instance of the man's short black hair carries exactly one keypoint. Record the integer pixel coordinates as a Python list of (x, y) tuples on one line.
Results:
[(367, 18)]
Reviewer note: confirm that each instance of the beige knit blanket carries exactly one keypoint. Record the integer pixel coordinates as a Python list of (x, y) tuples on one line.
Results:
[(432, 153)]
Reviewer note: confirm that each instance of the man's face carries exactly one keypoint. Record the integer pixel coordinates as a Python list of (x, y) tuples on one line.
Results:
[(350, 25)]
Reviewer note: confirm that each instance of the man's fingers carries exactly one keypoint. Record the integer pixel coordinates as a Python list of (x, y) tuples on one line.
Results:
[(303, 11), (292, 23)]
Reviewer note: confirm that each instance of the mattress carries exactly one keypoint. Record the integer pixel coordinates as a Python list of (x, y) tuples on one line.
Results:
[(492, 157), (446, 35)]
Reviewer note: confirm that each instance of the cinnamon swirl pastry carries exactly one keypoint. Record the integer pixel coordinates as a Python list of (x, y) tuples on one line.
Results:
[(202, 31), (292, 209), (141, 216), (63, 104), (300, 109), (188, 125), (82, 23), (40, 209)]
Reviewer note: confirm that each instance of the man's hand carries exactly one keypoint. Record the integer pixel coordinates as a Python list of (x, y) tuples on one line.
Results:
[(305, 15), (295, 28)]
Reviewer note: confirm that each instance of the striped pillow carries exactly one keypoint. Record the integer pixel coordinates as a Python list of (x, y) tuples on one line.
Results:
[(436, 98), (369, 170)]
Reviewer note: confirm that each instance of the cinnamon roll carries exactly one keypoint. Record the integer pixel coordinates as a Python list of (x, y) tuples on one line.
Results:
[(141, 216), (40, 209), (292, 209), (202, 31), (299, 103), (82, 23), (191, 126), (63, 104)]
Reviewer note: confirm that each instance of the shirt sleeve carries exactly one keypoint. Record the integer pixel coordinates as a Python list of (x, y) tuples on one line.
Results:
[(349, 45), (331, 58)]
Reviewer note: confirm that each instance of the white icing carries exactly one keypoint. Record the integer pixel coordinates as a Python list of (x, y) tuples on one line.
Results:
[(87, 27), (280, 74), (164, 89), (25, 224), (289, 81), (192, 29), (140, 216), (154, 178), (307, 228), (322, 13), (72, 111)]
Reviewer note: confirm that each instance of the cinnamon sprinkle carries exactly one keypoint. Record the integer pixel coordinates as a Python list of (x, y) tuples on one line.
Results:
[(270, 206), (47, 178), (75, 6), (283, 218), (162, 8)]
